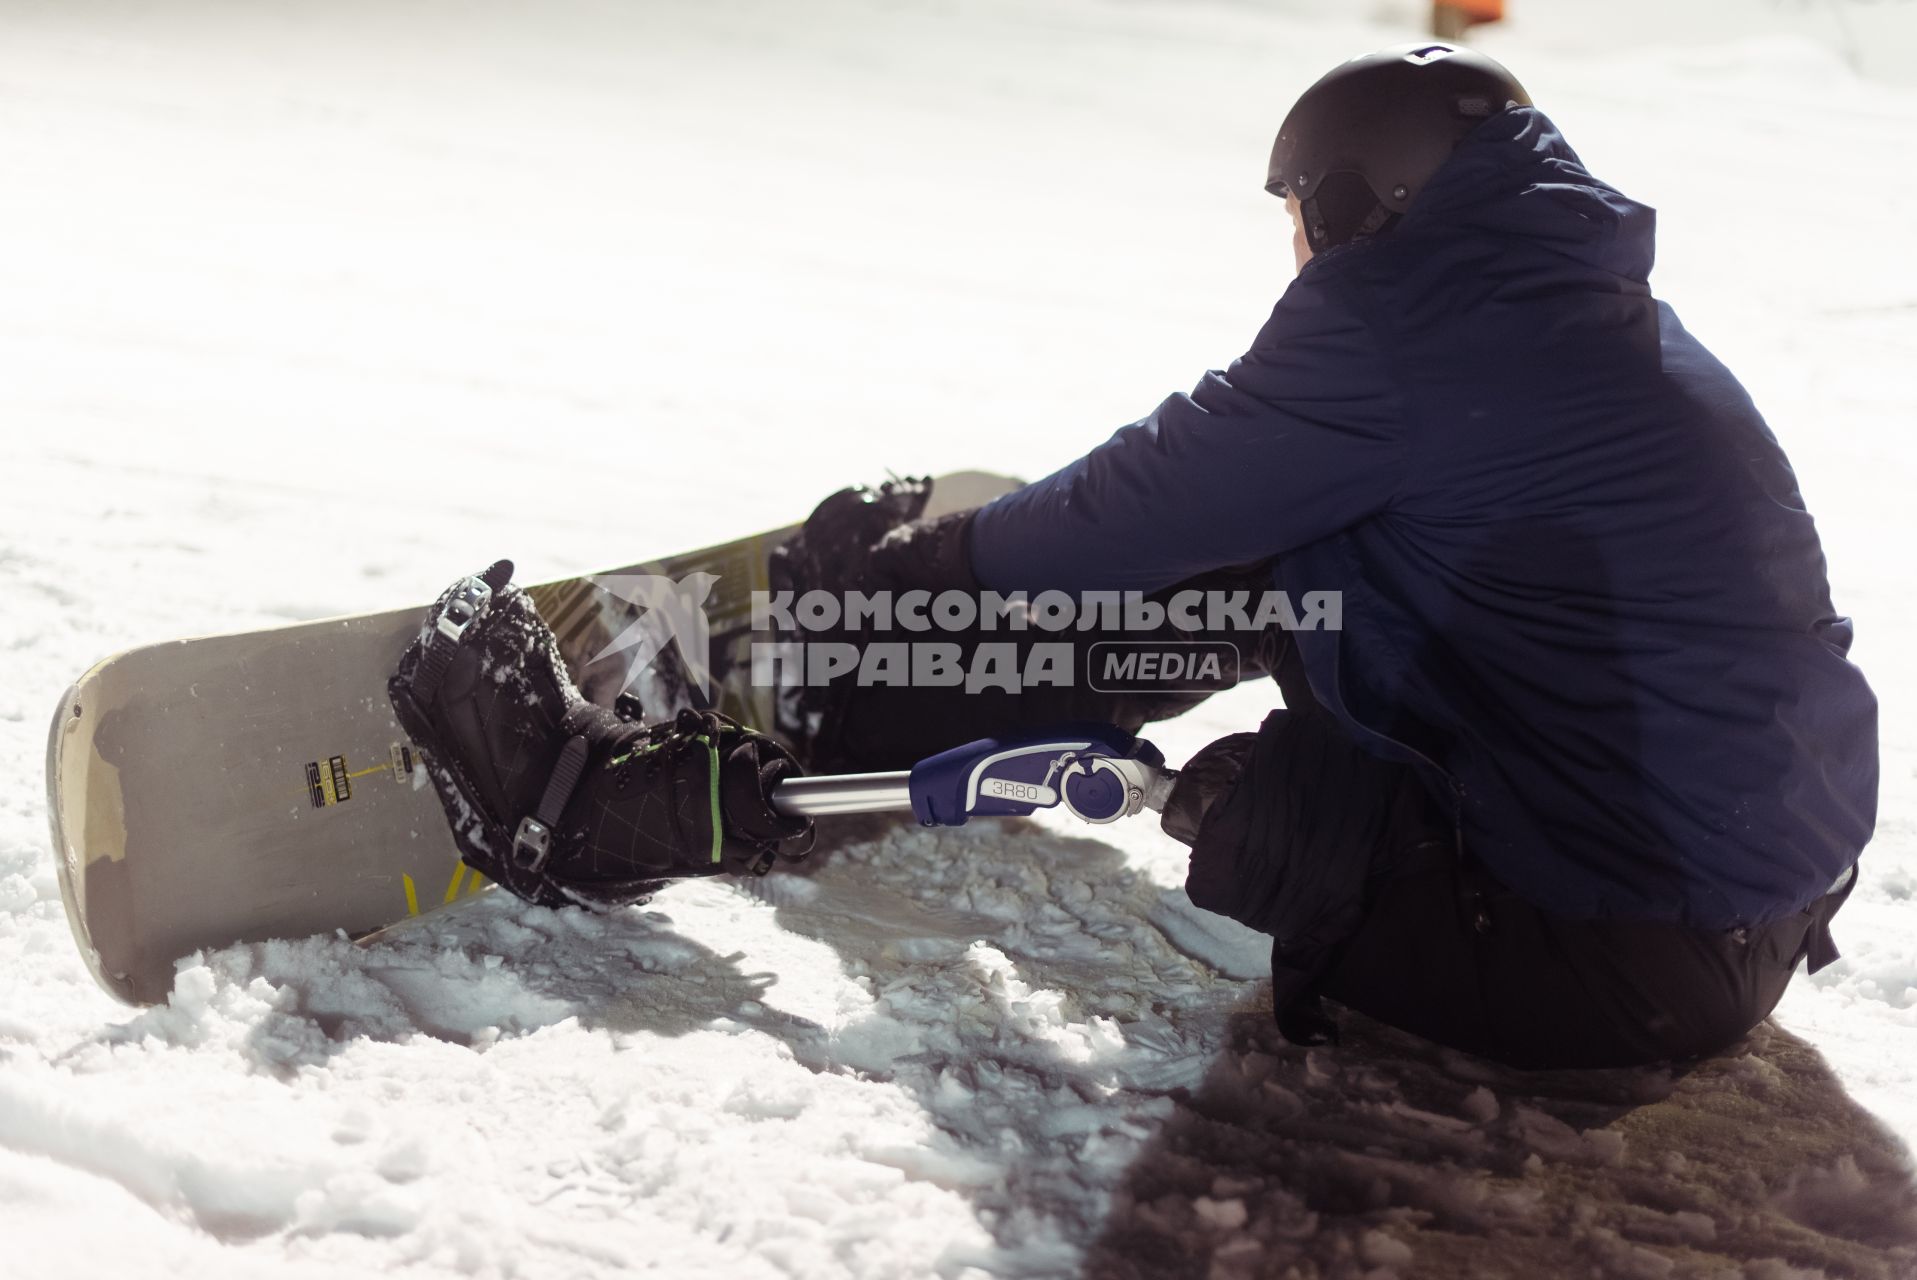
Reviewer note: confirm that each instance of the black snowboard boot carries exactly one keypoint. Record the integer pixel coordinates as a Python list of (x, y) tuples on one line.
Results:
[(560, 800)]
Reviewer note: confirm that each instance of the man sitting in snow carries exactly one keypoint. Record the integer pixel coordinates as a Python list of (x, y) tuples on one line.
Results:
[(1586, 772)]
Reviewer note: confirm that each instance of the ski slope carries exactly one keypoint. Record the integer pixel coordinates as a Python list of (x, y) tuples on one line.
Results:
[(308, 308)]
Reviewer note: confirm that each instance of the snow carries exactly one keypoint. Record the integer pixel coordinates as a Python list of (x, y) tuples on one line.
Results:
[(305, 309)]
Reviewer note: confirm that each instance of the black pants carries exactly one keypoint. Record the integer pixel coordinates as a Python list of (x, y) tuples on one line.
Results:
[(1445, 951)]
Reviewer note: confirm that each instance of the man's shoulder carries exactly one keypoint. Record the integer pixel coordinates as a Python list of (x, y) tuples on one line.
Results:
[(1327, 298), (1357, 283)]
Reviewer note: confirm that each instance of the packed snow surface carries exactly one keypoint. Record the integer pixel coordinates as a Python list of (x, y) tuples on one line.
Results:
[(307, 308)]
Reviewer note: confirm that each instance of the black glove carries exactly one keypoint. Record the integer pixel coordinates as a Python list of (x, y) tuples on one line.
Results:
[(928, 555), (558, 799), (865, 540), (833, 549)]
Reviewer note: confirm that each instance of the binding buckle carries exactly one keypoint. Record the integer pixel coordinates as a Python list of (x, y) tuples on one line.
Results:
[(532, 843), (468, 600)]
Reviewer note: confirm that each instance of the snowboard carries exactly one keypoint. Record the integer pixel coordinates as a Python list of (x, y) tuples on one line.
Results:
[(236, 788)]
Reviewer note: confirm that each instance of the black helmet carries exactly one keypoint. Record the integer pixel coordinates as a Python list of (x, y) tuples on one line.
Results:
[(1361, 143)]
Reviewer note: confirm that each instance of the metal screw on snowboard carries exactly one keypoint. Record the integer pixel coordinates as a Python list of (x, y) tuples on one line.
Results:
[(1096, 772)]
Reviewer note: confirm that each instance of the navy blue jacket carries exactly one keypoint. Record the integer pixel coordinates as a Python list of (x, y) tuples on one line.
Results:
[(1581, 590)]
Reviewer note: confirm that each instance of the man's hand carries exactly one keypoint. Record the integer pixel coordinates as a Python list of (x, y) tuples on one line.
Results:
[(925, 555)]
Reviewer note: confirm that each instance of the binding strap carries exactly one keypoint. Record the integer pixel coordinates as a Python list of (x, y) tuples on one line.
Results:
[(532, 842), (465, 604)]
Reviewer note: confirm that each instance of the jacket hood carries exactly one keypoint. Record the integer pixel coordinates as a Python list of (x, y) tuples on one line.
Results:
[(1516, 176)]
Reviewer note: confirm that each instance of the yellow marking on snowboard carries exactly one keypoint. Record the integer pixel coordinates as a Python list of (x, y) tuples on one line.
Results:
[(473, 885), (326, 780)]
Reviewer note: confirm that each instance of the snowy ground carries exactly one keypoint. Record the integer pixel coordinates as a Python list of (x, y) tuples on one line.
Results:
[(306, 307)]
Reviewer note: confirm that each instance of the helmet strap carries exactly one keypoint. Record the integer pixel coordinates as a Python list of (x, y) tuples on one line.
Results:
[(1319, 233)]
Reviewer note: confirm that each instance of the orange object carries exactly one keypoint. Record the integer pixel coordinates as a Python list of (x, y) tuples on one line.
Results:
[(1450, 19)]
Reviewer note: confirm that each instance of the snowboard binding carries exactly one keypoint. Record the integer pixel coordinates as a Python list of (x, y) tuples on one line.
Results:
[(563, 801)]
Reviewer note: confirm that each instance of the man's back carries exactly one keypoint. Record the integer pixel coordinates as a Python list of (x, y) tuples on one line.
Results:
[(1581, 589)]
